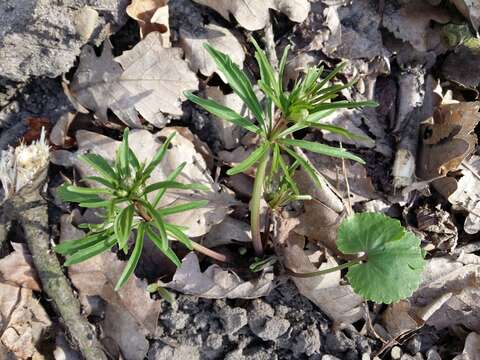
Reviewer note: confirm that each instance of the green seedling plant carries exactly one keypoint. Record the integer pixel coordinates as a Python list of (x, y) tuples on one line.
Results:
[(283, 114), (389, 259), (130, 203)]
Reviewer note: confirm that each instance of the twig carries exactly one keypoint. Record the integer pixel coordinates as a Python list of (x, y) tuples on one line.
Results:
[(347, 185), (34, 219), (269, 39)]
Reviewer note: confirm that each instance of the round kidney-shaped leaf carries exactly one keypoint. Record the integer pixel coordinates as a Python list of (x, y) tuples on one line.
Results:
[(394, 260)]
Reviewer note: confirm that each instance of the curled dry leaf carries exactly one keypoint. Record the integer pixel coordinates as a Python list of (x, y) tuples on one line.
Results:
[(229, 231), (192, 42), (216, 283), (438, 227), (470, 9), (151, 15), (144, 145), (58, 135), (152, 81), (254, 14), (17, 268)]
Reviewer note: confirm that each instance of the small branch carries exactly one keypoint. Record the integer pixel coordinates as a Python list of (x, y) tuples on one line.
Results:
[(269, 40), (326, 271), (34, 219)]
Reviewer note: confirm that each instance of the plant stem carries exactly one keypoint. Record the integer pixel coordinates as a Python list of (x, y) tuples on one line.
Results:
[(257, 195), (196, 246), (326, 271)]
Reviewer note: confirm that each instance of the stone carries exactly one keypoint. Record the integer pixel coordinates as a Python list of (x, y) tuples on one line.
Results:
[(44, 37), (432, 354), (269, 328), (396, 353), (233, 319), (307, 342), (329, 357), (414, 345), (167, 352)]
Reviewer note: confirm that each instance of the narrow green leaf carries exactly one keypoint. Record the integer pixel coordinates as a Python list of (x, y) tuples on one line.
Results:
[(69, 196), (250, 160), (101, 165), (124, 154), (123, 225), (174, 185), (168, 252), (222, 112), (92, 204), (183, 207), (339, 131), (287, 175), (267, 73), (331, 75), (281, 70), (133, 260), (87, 253), (311, 172), (322, 149), (238, 81), (101, 180), (343, 104), (179, 235), (319, 115), (171, 177), (71, 246), (158, 157), (87, 190)]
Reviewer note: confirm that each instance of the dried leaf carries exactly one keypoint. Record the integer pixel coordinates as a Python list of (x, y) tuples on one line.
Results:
[(152, 82), (17, 268), (192, 42), (254, 15), (438, 227), (151, 15), (412, 23), (229, 231), (470, 9), (144, 145), (58, 135), (216, 283)]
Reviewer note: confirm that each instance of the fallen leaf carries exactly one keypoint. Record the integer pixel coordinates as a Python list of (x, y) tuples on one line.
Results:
[(152, 82), (151, 15), (471, 350), (229, 231), (412, 23), (17, 268), (338, 301), (35, 126), (58, 135), (448, 141), (465, 75), (254, 14), (216, 283), (438, 228), (192, 41), (144, 144)]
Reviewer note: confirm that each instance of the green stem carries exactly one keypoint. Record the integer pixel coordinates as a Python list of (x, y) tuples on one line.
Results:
[(326, 271), (257, 195)]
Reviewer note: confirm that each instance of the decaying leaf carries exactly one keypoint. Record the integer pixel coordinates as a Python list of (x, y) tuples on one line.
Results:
[(152, 82), (192, 42), (216, 283), (449, 140), (151, 15), (58, 135), (144, 145), (471, 351), (338, 301), (412, 23), (253, 14), (23, 320), (229, 231), (438, 227), (17, 268)]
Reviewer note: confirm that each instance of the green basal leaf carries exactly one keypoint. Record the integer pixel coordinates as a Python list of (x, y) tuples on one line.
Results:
[(157, 240), (222, 112), (183, 207), (322, 149), (267, 73), (250, 160), (101, 166), (394, 264), (96, 203), (91, 251), (311, 172), (339, 131), (174, 185), (123, 225), (87, 190), (101, 180), (164, 293), (179, 235), (66, 195), (158, 157), (71, 246), (133, 260), (171, 177), (238, 81), (124, 154)]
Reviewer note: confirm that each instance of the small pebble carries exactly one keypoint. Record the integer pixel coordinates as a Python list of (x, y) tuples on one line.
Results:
[(396, 353), (432, 354)]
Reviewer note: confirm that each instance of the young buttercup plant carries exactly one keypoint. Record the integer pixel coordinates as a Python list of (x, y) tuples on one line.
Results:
[(283, 113), (125, 197)]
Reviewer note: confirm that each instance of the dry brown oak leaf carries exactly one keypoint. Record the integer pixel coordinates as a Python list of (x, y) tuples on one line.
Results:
[(151, 15)]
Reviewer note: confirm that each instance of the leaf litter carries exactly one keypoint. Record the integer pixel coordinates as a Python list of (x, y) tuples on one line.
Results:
[(139, 89)]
